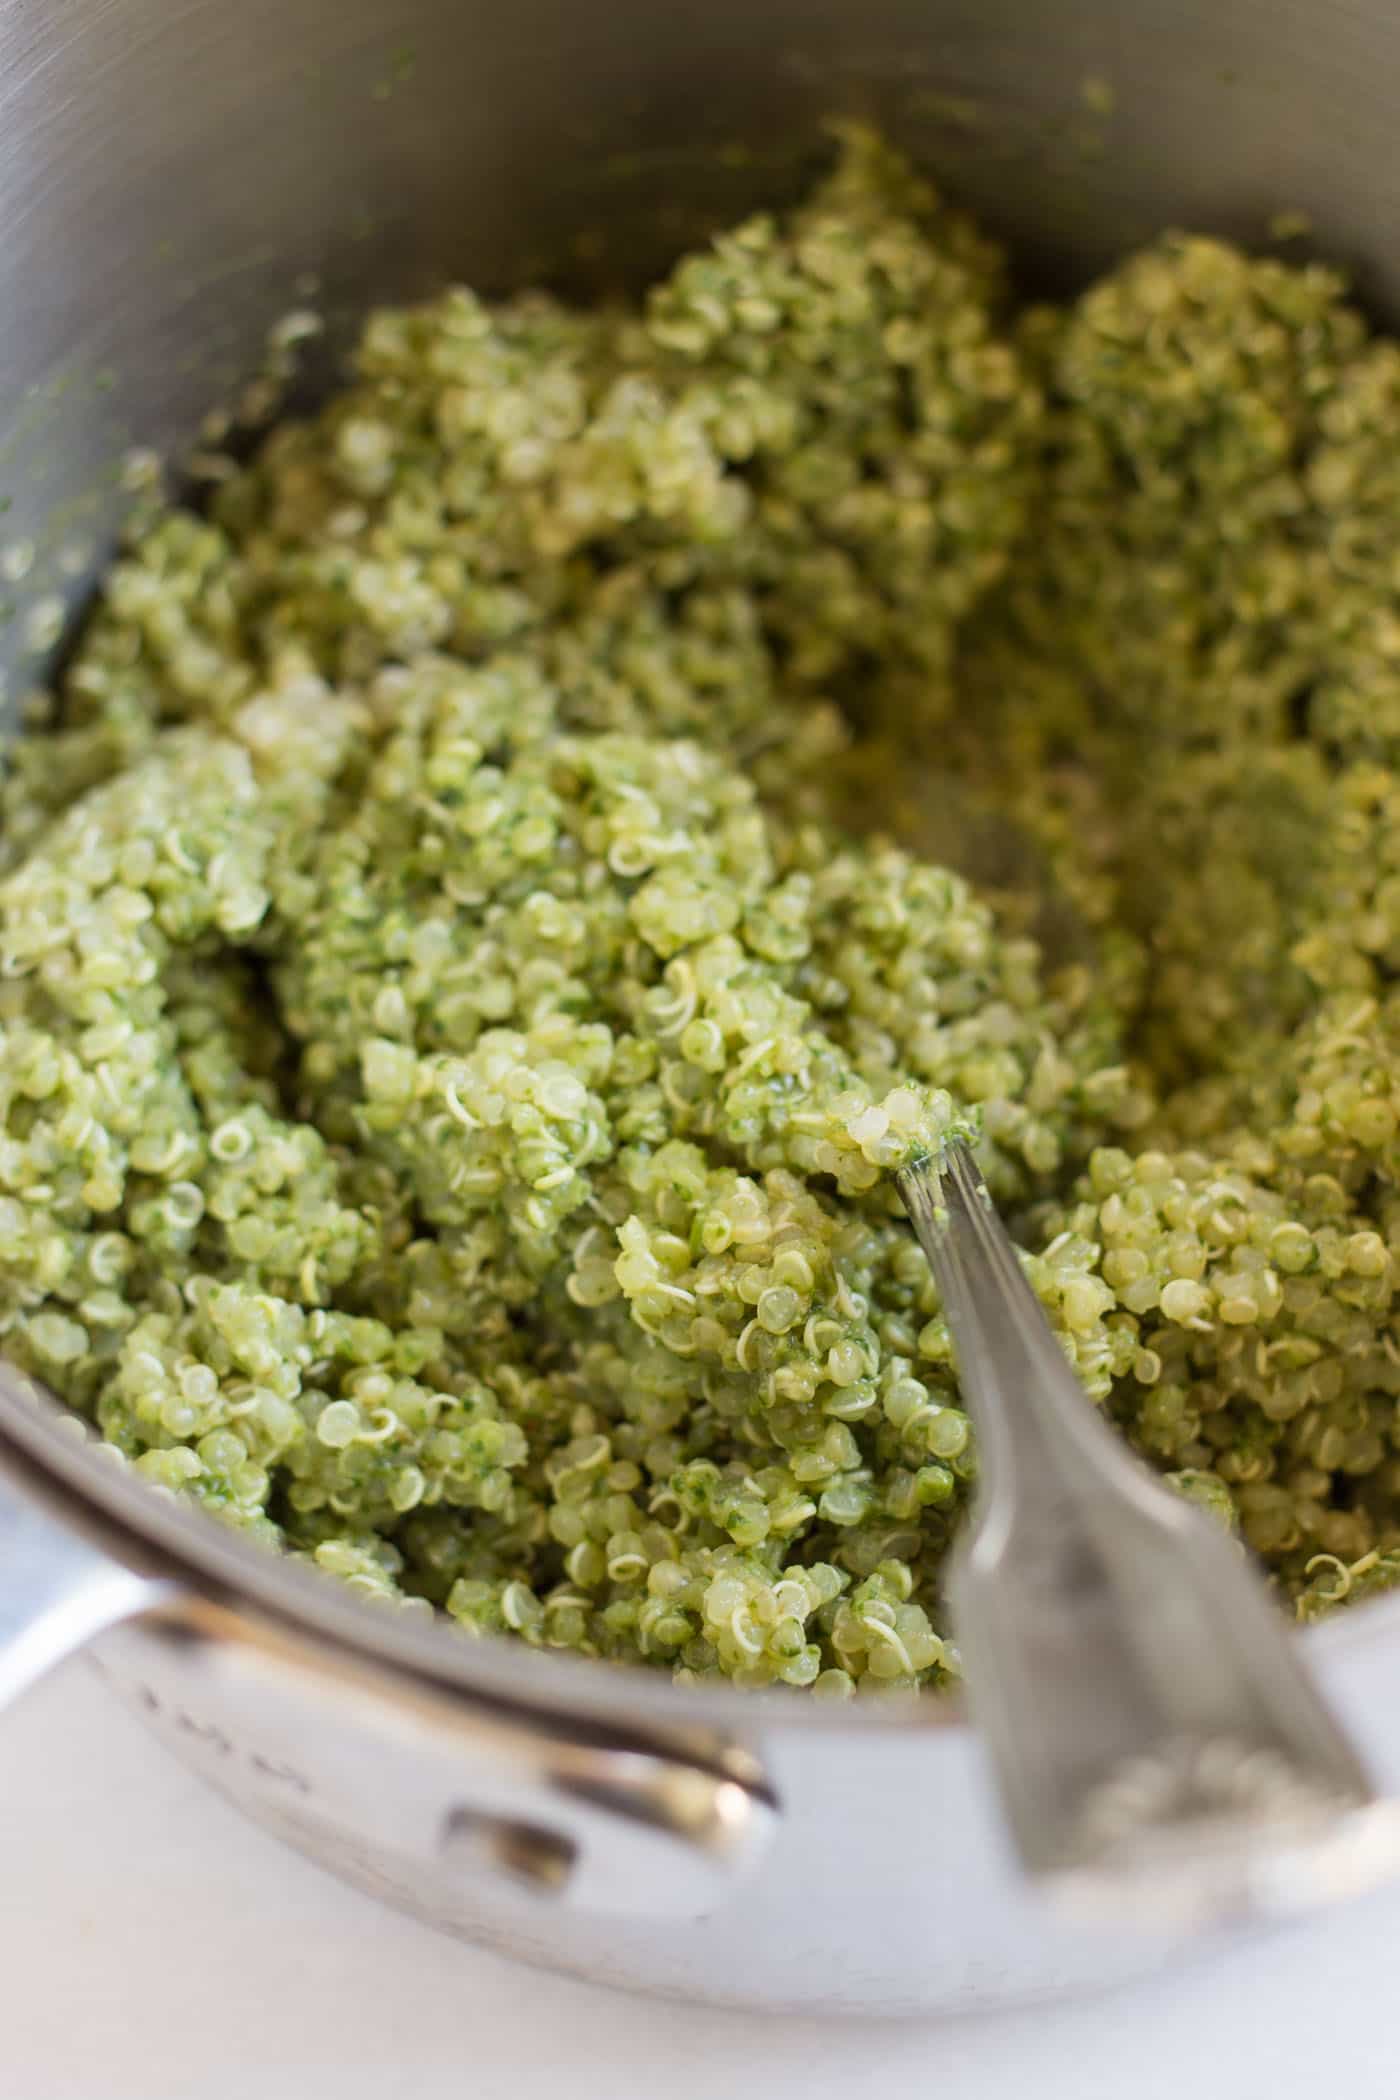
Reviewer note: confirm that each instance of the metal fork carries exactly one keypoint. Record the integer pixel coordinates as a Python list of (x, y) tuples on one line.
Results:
[(1161, 1750)]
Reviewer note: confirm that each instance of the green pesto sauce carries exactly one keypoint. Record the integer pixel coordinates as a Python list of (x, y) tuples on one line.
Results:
[(463, 985)]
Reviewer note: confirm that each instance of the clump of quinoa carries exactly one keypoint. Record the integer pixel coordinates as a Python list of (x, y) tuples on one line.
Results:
[(453, 1036)]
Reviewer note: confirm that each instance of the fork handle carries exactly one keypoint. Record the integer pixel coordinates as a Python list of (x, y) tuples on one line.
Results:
[(1156, 1738)]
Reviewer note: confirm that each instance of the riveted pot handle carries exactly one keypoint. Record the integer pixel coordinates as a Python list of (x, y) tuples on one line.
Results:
[(59, 1589), (353, 1756)]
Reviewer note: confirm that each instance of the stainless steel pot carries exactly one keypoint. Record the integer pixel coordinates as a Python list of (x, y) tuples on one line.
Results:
[(172, 175)]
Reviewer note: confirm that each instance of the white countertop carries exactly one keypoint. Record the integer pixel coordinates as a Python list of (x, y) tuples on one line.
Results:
[(116, 1868)]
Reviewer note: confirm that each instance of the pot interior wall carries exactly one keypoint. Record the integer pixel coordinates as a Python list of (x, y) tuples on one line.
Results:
[(177, 176)]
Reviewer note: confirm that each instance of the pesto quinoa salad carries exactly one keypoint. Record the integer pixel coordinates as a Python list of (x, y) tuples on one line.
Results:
[(481, 922)]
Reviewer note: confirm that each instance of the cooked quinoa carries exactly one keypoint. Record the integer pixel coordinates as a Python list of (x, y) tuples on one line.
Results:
[(474, 936)]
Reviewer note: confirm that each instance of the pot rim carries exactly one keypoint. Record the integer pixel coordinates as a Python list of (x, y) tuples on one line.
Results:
[(65, 1447)]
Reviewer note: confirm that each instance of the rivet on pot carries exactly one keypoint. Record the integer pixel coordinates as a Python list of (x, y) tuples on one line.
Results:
[(531, 1855)]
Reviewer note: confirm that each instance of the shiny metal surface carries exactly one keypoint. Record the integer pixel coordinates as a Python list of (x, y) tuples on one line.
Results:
[(60, 1587), (1159, 1744), (176, 174), (342, 1748), (852, 1861), (357, 1762)]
